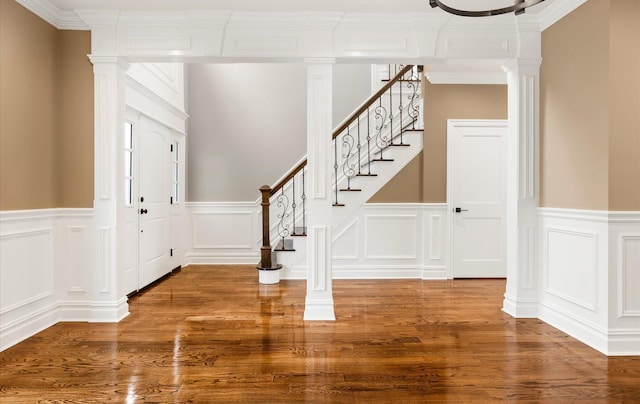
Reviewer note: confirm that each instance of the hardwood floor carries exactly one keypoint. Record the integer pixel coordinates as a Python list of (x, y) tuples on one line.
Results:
[(211, 334)]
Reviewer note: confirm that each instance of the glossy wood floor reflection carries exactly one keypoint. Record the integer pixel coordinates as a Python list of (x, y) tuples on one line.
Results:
[(210, 334)]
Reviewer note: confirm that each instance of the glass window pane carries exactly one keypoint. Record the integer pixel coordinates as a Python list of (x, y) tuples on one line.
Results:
[(128, 135), (127, 191), (128, 164)]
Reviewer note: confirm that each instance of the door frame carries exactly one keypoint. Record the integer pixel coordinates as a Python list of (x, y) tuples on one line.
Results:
[(452, 123)]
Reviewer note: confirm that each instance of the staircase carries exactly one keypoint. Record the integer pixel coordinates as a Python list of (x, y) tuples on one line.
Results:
[(369, 148)]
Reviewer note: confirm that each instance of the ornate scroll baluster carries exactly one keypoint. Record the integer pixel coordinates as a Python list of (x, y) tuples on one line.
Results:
[(348, 167), (381, 138), (282, 202), (413, 110), (304, 207)]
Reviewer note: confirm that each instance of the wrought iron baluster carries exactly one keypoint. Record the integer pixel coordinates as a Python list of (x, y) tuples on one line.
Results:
[(413, 110), (335, 169), (368, 142), (401, 120), (348, 168), (391, 115), (381, 114), (304, 207), (282, 201), (359, 146), (293, 205)]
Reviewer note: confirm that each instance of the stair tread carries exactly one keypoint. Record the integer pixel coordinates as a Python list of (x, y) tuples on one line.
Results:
[(284, 245), (350, 190), (366, 175), (299, 232), (338, 204)]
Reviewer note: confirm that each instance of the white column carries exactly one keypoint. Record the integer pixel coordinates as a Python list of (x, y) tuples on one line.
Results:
[(521, 296), (109, 303), (319, 301)]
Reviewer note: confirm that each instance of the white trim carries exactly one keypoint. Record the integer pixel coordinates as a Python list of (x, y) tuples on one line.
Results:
[(63, 294), (67, 20), (593, 240), (556, 11)]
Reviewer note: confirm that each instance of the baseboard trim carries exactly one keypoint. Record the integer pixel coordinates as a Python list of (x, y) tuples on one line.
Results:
[(587, 333), (520, 308), (17, 331)]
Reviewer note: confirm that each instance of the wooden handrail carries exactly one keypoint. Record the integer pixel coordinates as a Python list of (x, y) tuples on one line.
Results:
[(344, 125), (288, 177)]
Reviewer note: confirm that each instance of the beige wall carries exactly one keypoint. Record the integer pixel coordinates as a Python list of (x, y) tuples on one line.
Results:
[(589, 89), (74, 135), (46, 113), (425, 178), (624, 107), (574, 113)]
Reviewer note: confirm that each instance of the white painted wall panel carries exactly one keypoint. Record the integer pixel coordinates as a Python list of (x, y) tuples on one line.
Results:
[(590, 277), (26, 259), (44, 256), (572, 266), (390, 237), (629, 250), (223, 233)]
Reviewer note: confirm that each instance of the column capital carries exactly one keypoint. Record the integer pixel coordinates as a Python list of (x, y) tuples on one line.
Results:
[(110, 60), (522, 63)]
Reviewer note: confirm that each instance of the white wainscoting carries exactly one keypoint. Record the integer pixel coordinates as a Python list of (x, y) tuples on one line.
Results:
[(224, 233), (44, 259), (590, 277), (385, 241), (624, 283), (379, 241)]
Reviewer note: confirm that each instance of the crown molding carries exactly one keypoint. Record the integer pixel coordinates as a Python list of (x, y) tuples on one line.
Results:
[(73, 20), (65, 20), (556, 11)]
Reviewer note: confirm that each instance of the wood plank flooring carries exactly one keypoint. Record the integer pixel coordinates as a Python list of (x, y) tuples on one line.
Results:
[(211, 334)]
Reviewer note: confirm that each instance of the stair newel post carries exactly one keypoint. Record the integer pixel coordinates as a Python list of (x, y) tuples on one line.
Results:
[(268, 270)]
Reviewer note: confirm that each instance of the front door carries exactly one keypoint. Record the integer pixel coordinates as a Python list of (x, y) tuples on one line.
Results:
[(477, 161), (154, 202)]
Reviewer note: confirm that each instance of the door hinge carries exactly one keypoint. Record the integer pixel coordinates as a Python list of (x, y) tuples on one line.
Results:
[(171, 200), (171, 252), (171, 147)]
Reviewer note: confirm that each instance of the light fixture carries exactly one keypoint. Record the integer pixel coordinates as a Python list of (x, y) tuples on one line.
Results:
[(518, 8)]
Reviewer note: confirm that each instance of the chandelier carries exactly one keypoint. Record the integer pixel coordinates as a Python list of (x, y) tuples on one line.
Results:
[(518, 8)]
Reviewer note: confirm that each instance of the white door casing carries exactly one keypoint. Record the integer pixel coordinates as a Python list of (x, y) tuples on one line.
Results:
[(154, 202), (476, 185)]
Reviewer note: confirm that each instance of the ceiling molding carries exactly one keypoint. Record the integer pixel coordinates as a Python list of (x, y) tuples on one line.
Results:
[(556, 11), (65, 20)]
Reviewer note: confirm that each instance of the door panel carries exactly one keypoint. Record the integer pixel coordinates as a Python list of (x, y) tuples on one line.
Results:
[(477, 181), (154, 202)]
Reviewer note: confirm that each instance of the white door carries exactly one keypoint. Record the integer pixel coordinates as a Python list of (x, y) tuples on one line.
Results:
[(154, 202), (128, 220), (476, 181)]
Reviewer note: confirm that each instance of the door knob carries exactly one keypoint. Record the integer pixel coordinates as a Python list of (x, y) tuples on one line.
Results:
[(143, 211), (458, 210)]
